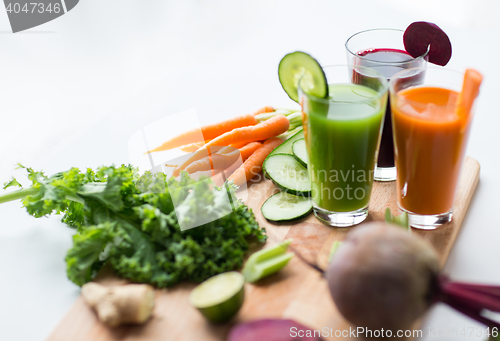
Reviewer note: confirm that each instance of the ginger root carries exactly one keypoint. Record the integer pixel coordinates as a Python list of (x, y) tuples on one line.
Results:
[(131, 303)]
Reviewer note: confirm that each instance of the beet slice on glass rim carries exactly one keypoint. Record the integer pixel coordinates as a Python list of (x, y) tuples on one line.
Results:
[(421, 35)]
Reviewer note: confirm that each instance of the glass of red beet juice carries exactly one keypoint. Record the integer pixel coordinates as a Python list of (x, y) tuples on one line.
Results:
[(384, 51)]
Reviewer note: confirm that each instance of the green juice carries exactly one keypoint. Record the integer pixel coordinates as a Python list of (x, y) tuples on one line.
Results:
[(343, 135)]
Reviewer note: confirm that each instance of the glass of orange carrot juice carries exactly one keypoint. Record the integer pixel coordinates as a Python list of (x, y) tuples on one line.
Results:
[(431, 119)]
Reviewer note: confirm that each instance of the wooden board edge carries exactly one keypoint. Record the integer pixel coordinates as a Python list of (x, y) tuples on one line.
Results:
[(473, 167)]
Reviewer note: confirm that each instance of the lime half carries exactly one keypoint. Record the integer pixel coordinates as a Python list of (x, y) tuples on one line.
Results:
[(220, 297), (297, 65)]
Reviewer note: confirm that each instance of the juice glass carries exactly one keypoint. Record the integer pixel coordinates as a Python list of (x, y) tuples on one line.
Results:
[(383, 50), (342, 134), (430, 140)]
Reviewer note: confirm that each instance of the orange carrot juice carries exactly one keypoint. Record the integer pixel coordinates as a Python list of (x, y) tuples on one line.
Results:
[(430, 138)]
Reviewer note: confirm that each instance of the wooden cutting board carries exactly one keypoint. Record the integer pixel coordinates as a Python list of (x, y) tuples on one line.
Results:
[(297, 292)]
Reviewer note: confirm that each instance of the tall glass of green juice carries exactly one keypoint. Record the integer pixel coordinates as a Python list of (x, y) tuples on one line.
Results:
[(342, 133)]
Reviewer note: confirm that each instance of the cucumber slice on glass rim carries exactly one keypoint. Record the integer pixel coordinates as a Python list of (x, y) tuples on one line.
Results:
[(284, 206), (300, 152), (297, 65), (220, 297)]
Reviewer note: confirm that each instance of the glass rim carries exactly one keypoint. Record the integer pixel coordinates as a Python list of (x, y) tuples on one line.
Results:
[(397, 75), (354, 54), (380, 93)]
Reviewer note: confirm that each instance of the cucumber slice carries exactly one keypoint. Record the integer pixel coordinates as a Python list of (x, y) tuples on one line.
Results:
[(300, 152), (287, 173), (286, 147), (296, 65), (220, 297), (283, 206)]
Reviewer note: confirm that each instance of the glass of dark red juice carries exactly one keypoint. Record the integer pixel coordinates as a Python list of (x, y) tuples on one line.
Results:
[(384, 51)]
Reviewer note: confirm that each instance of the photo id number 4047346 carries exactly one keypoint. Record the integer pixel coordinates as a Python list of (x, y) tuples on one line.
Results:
[(465, 332), (34, 7)]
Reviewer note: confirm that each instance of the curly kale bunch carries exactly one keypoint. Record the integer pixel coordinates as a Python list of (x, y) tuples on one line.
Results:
[(130, 222)]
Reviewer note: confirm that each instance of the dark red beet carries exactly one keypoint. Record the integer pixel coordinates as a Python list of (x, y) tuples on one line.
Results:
[(419, 35), (383, 277), (271, 330)]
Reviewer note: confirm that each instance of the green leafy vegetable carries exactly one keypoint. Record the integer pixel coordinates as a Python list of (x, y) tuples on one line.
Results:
[(11, 183), (129, 222)]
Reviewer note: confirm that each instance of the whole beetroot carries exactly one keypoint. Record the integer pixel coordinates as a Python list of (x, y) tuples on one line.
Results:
[(383, 277)]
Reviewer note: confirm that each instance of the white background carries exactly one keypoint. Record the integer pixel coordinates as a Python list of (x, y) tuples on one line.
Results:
[(73, 91)]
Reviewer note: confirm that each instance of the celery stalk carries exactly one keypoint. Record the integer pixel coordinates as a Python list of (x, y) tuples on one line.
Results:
[(16, 195), (267, 262), (24, 192), (334, 248), (290, 133), (401, 220)]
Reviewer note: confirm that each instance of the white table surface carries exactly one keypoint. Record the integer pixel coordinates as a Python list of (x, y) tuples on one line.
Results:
[(74, 90)]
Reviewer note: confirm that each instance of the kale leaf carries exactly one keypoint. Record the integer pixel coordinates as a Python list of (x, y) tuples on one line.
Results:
[(133, 223)]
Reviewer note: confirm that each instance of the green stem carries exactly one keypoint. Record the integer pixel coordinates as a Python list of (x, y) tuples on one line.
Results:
[(16, 195), (24, 192), (286, 135), (265, 116)]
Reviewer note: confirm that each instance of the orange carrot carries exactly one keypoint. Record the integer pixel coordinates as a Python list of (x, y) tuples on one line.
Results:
[(263, 110), (470, 90), (239, 145), (198, 155), (245, 153), (249, 149), (214, 162), (253, 165), (200, 165), (245, 149), (272, 127), (208, 132), (192, 147), (223, 159)]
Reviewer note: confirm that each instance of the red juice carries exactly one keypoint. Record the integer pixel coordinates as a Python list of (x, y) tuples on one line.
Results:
[(387, 62)]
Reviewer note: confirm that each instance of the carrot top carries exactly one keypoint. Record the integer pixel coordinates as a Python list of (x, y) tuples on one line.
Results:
[(263, 110)]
